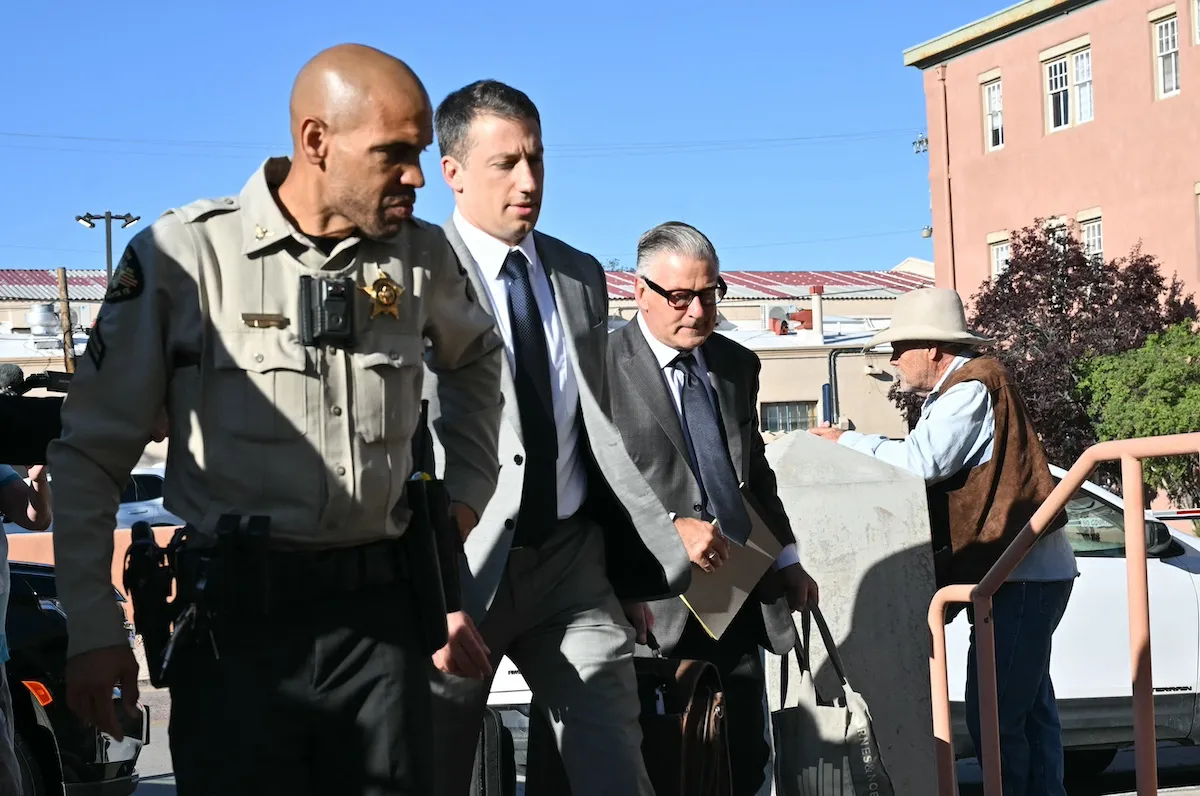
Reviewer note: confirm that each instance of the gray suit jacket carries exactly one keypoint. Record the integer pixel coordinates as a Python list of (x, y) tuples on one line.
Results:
[(644, 413), (646, 558)]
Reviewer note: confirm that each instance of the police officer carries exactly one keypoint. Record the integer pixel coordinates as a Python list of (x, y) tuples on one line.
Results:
[(284, 332)]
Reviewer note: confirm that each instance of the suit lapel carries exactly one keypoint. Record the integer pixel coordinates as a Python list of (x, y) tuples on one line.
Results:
[(644, 372), (570, 299), (481, 292), (726, 390)]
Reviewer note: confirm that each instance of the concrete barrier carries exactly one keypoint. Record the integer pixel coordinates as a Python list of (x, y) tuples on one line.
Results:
[(863, 532)]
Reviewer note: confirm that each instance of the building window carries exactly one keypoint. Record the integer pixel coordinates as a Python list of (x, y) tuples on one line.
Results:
[(993, 109), (1058, 91), (1166, 40), (1069, 94), (1001, 254), (1093, 238), (1082, 63), (781, 418)]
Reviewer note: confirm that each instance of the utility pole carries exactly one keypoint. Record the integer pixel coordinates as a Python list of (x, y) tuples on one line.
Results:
[(64, 309), (108, 218)]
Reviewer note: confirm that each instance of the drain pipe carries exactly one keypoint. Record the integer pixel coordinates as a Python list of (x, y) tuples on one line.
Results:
[(832, 406), (949, 196)]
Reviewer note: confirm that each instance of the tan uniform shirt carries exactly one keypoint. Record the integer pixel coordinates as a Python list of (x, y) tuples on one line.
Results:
[(317, 438)]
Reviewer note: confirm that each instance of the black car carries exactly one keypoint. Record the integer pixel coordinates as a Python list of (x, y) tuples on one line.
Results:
[(58, 753)]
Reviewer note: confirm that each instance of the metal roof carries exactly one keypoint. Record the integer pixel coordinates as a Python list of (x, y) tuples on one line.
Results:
[(836, 332), (24, 284), (783, 285), (20, 284)]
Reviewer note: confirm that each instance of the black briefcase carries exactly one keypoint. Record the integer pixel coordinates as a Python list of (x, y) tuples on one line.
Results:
[(495, 771), (432, 540)]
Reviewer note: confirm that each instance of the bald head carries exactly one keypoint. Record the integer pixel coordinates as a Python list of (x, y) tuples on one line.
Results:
[(339, 84), (360, 120)]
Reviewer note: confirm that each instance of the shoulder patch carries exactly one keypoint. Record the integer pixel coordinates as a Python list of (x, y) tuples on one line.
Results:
[(202, 208), (127, 281), (96, 348)]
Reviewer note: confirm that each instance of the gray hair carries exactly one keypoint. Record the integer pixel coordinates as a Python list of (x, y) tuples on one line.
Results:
[(675, 237)]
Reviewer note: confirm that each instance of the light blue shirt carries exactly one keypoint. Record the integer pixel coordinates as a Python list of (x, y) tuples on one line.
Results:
[(7, 476), (955, 433)]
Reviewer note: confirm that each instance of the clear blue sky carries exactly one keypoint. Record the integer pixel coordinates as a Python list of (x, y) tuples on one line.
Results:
[(651, 111)]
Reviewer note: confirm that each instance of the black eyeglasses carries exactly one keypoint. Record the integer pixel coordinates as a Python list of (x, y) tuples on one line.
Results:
[(682, 299)]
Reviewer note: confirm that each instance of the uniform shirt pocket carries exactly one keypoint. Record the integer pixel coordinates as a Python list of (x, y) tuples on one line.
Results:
[(262, 386), (387, 385)]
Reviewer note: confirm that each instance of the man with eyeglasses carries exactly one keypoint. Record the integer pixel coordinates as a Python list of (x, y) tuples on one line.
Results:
[(686, 404)]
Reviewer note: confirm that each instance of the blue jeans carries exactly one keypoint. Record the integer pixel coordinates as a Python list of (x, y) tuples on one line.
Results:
[(1025, 615)]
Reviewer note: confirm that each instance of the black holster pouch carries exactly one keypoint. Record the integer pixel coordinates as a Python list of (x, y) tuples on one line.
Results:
[(433, 542), (148, 576)]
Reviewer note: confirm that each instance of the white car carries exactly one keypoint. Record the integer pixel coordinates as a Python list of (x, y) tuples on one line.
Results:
[(141, 500), (1090, 659)]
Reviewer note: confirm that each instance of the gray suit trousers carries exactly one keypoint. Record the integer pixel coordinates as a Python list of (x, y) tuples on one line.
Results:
[(556, 617)]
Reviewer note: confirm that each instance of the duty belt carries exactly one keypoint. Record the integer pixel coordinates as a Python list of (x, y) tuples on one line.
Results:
[(243, 574)]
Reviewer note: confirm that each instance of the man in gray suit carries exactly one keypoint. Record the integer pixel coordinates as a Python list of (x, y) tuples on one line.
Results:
[(537, 581), (686, 403)]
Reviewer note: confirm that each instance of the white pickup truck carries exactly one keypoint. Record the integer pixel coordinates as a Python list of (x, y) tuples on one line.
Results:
[(1090, 662)]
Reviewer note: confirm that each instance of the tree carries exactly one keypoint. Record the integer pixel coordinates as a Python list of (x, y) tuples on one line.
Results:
[(1054, 308), (614, 264), (909, 404), (1150, 391)]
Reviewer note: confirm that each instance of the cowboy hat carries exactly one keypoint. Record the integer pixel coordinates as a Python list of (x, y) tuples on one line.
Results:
[(935, 314)]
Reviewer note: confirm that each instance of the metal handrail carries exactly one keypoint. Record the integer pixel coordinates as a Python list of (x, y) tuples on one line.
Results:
[(1130, 452)]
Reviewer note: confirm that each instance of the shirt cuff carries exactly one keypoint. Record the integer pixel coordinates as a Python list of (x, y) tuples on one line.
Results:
[(95, 626), (863, 443), (787, 557), (473, 491)]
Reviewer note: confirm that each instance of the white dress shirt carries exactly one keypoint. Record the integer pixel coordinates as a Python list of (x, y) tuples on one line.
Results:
[(955, 433), (489, 254), (675, 380)]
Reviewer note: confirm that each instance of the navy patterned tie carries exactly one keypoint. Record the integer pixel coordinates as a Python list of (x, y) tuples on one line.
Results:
[(718, 483), (535, 404)]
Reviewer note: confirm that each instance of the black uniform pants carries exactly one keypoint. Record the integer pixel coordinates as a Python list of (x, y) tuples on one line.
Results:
[(738, 659), (329, 697)]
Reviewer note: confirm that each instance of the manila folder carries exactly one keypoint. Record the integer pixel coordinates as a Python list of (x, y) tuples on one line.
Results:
[(714, 598)]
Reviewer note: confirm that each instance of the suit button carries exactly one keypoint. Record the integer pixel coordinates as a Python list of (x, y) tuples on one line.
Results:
[(509, 524), (698, 507), (518, 458)]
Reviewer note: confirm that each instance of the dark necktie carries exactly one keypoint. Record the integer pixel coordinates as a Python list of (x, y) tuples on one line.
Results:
[(535, 404), (714, 471)]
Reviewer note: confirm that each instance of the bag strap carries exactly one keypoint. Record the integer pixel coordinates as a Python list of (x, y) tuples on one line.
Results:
[(804, 659), (801, 651), (827, 638)]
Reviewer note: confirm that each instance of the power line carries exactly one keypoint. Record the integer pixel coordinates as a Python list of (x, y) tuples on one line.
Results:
[(50, 249), (152, 141), (557, 151), (741, 246)]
